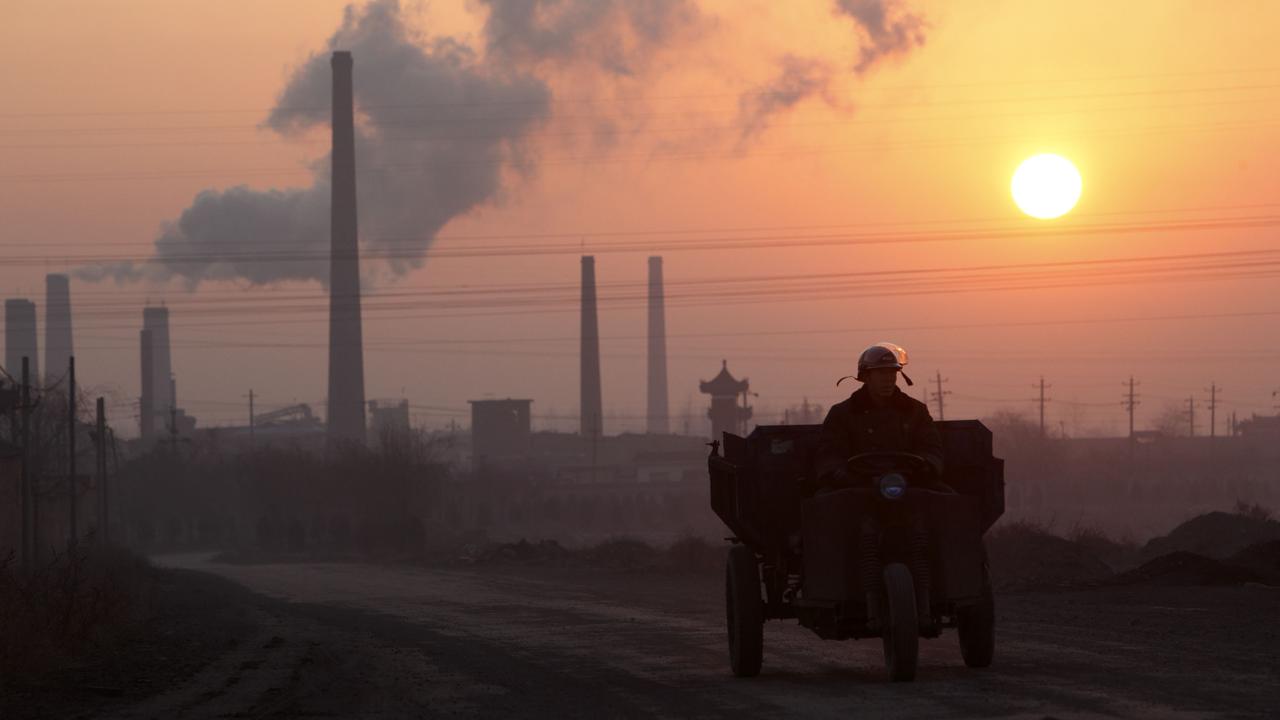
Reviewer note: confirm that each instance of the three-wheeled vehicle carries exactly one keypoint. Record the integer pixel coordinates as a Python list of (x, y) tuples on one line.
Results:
[(892, 535)]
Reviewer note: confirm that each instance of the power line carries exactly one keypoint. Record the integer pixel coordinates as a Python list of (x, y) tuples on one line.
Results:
[(695, 287), (735, 293), (752, 232), (736, 96), (731, 128), (750, 333), (675, 155), (374, 250)]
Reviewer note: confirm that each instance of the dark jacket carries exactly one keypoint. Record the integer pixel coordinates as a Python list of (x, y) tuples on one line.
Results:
[(859, 425)]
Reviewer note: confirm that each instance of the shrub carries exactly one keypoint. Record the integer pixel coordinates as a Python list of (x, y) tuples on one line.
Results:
[(50, 615)]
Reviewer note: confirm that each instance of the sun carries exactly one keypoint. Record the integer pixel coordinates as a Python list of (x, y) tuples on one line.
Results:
[(1046, 186)]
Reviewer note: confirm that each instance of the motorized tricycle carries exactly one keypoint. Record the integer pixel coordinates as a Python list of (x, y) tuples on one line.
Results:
[(892, 552)]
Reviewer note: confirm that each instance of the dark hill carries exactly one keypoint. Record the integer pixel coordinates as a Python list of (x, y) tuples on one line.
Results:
[(1185, 568), (1216, 535)]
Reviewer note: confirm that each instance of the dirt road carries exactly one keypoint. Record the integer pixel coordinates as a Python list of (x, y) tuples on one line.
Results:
[(345, 640)]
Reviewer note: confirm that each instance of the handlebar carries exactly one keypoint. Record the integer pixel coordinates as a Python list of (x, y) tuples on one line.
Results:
[(881, 461)]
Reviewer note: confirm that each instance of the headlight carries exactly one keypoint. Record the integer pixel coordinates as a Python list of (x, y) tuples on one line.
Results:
[(893, 486)]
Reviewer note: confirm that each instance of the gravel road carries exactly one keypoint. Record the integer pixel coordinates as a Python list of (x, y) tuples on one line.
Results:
[(348, 640)]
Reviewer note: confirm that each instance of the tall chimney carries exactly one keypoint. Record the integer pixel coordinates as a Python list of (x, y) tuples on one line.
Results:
[(658, 424), (146, 401), (57, 323), (346, 343), (592, 424), (156, 320), (20, 337)]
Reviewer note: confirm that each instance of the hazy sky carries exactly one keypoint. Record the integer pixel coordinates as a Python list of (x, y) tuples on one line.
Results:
[(837, 177)]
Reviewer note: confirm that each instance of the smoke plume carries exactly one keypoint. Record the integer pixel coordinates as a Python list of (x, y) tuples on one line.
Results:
[(798, 78), (618, 36), (885, 30), (889, 30), (437, 129), (441, 128)]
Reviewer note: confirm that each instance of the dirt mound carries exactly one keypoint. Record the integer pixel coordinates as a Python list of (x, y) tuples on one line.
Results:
[(695, 555), (1216, 535), (1263, 559), (1024, 555), (624, 554), (1116, 553), (1185, 568), (543, 552)]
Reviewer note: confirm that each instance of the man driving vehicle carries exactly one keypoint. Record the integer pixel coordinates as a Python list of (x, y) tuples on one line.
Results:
[(880, 417)]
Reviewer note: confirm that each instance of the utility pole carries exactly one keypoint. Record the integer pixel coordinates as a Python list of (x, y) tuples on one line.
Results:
[(938, 396), (1191, 415), (251, 426), (72, 496), (1043, 400), (1213, 410), (29, 540), (115, 469), (100, 445), (1130, 402)]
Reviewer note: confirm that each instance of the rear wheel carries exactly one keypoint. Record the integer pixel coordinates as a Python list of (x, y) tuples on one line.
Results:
[(744, 610), (902, 631), (976, 626)]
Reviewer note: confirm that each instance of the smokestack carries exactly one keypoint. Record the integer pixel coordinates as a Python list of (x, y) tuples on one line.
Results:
[(657, 351), (146, 402), (346, 343), (592, 424), (57, 323), (20, 337), (156, 320)]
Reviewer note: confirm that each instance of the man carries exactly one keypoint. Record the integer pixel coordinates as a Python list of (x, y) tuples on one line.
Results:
[(878, 416)]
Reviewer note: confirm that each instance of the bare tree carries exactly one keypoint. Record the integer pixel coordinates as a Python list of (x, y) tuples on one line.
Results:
[(1172, 420)]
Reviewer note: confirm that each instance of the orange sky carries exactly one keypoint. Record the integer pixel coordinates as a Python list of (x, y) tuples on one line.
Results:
[(117, 114)]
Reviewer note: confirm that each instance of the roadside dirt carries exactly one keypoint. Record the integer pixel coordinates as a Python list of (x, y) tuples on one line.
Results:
[(347, 640), (183, 621)]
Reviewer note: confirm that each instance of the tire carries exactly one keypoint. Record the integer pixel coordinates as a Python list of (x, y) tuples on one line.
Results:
[(976, 626), (902, 631), (744, 611)]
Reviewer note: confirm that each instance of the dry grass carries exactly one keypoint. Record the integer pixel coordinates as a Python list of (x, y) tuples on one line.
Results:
[(1253, 511), (51, 615)]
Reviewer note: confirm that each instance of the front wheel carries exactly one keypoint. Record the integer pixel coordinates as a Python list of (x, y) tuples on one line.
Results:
[(744, 610), (902, 632), (976, 626)]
